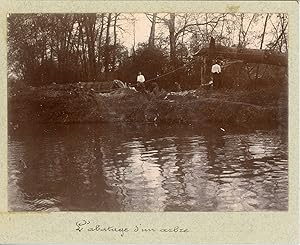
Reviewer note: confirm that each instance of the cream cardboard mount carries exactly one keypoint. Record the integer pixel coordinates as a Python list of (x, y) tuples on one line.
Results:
[(155, 227)]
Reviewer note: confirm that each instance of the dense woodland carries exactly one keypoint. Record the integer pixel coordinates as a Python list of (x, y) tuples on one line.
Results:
[(66, 48)]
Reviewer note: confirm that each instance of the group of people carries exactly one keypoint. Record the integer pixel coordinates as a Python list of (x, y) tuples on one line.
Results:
[(216, 72)]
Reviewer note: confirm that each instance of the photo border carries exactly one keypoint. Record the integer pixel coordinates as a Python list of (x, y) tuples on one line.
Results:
[(204, 227)]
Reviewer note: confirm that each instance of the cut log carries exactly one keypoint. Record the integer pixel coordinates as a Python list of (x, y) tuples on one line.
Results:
[(257, 56)]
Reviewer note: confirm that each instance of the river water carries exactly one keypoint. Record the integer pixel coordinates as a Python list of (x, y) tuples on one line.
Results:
[(101, 167)]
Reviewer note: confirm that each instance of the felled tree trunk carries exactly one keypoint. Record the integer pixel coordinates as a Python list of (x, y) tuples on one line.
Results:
[(257, 56)]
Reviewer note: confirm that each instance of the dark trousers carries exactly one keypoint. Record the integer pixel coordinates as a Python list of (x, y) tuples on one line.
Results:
[(217, 79), (141, 87)]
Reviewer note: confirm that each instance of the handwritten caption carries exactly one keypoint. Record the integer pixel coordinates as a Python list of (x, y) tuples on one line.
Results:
[(87, 226)]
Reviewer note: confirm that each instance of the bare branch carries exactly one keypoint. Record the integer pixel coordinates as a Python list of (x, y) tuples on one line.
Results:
[(197, 24)]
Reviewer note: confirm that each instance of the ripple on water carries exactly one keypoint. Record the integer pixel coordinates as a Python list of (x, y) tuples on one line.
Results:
[(151, 169)]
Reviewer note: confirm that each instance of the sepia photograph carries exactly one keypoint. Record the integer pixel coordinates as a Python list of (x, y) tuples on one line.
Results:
[(147, 112)]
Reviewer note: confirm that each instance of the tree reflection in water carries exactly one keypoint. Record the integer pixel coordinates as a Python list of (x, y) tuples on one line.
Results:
[(94, 167)]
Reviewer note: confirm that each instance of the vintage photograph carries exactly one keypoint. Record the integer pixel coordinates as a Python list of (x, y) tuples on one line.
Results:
[(147, 112)]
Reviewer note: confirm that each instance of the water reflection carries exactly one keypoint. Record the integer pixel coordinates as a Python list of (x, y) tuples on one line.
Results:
[(92, 167)]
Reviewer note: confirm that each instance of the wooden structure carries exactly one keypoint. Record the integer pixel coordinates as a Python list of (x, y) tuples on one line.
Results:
[(257, 56)]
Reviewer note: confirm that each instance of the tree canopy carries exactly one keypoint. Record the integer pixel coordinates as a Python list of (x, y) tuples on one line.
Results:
[(63, 48)]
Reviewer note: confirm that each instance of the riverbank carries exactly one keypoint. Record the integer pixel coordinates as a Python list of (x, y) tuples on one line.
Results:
[(75, 103)]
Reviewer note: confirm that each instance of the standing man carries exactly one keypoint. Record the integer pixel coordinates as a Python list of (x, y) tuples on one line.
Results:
[(212, 43), (216, 73), (140, 81)]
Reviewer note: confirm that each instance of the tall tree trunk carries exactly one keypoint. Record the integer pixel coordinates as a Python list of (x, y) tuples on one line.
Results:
[(152, 31), (241, 30), (171, 26), (207, 38), (114, 58), (244, 43), (67, 44), (262, 42), (90, 23), (133, 47), (100, 41), (83, 55), (107, 39), (264, 32)]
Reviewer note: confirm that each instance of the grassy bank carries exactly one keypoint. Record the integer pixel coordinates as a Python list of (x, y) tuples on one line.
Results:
[(73, 103)]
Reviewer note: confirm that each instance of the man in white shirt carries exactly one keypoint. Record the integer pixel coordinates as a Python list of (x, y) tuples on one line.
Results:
[(216, 73), (140, 80)]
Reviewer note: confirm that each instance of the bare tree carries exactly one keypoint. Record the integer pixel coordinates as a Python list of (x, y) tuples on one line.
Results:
[(100, 41), (280, 32), (262, 42), (115, 42), (90, 30), (107, 41), (152, 30)]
